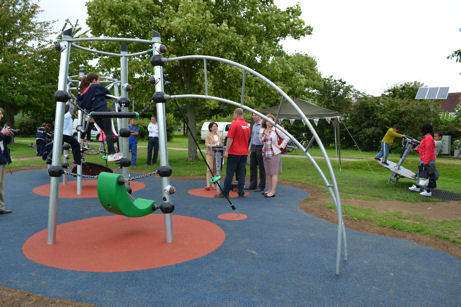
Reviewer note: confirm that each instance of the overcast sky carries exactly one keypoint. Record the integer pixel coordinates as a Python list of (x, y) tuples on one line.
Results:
[(371, 45)]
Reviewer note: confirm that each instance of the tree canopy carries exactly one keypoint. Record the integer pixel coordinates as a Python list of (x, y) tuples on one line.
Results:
[(247, 31), (27, 62)]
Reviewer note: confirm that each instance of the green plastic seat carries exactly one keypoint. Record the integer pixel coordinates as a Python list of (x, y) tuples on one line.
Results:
[(115, 198)]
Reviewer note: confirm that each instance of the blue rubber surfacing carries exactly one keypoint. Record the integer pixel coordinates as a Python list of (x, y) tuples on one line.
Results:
[(279, 256)]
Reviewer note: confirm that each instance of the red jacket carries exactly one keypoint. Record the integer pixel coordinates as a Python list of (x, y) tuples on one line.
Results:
[(426, 149)]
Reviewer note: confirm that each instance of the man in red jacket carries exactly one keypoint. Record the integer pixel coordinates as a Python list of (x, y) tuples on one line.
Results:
[(236, 153), (426, 152)]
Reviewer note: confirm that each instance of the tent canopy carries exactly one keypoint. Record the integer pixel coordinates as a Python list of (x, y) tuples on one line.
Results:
[(309, 109)]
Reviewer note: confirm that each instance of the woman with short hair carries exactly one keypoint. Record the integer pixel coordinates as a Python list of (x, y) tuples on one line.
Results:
[(272, 154)]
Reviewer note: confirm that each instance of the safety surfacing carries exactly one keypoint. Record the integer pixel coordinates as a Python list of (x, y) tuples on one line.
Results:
[(277, 256)]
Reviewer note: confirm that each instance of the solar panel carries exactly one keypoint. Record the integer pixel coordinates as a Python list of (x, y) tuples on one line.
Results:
[(422, 92), (432, 93), (443, 93)]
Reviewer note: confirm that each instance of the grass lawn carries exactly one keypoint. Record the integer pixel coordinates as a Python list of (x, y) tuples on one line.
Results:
[(363, 179)]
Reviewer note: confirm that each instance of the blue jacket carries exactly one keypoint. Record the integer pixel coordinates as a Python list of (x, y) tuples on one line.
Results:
[(94, 98), (5, 154)]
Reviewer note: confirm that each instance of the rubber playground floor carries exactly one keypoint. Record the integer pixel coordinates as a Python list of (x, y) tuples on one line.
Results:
[(277, 256)]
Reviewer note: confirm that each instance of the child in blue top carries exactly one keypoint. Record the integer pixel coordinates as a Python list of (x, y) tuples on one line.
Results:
[(133, 141), (93, 98)]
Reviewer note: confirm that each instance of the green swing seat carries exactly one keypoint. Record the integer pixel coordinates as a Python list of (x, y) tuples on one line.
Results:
[(114, 197)]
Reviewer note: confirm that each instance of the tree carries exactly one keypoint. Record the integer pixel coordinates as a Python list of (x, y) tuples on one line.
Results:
[(335, 94), (26, 62), (246, 31), (405, 91)]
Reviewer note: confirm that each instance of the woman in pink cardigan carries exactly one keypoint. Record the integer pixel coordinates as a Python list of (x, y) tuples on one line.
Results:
[(272, 155)]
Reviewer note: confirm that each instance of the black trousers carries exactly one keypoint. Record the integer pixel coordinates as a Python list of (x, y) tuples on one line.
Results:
[(256, 161), (106, 126), (153, 143), (75, 147)]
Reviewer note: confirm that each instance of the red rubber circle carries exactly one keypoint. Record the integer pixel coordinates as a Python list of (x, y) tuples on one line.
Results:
[(117, 244)]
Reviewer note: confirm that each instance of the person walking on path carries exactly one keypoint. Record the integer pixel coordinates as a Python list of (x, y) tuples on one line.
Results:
[(272, 154), (213, 138), (5, 138), (387, 141), (153, 141), (256, 157), (236, 154), (133, 141)]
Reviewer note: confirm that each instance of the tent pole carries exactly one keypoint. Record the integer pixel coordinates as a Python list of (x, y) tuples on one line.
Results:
[(278, 111)]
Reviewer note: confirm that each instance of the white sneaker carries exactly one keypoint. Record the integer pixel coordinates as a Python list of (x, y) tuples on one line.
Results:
[(114, 157), (414, 188), (425, 193)]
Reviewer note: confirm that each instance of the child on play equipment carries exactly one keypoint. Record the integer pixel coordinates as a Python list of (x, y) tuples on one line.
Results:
[(387, 141), (92, 97), (68, 138), (426, 152)]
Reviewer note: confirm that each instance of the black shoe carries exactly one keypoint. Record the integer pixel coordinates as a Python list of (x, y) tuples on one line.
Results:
[(241, 196), (385, 163), (249, 188), (267, 196), (264, 193), (4, 211), (378, 159), (259, 189)]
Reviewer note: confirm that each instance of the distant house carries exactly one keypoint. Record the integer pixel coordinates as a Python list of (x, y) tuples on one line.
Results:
[(449, 105)]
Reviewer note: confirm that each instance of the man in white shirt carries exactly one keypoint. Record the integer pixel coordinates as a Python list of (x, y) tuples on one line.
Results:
[(153, 141)]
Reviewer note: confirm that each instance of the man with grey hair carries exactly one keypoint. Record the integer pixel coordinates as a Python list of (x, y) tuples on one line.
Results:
[(5, 139), (256, 157)]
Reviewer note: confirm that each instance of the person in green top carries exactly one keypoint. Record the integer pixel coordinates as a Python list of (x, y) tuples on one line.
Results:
[(388, 140)]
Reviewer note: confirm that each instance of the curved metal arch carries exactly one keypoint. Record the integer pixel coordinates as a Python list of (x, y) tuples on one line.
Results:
[(334, 193)]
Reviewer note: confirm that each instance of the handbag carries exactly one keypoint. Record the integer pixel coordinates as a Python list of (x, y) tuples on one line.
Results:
[(280, 141), (423, 176)]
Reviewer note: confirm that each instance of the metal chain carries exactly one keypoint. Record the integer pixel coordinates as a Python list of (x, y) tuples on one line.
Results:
[(83, 176), (142, 176)]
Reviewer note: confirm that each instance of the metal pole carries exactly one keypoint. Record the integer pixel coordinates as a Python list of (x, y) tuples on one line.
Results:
[(57, 143), (163, 152), (123, 141), (79, 167), (242, 98)]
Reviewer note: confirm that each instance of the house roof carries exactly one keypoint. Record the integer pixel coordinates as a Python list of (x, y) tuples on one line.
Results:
[(450, 104)]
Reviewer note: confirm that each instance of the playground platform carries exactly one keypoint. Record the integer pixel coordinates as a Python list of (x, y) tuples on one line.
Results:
[(277, 256)]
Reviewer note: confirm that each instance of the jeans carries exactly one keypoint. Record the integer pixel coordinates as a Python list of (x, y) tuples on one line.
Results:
[(134, 152), (383, 152), (153, 143), (256, 161), (235, 165)]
